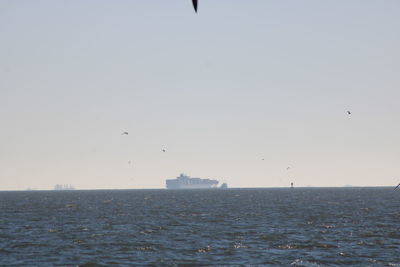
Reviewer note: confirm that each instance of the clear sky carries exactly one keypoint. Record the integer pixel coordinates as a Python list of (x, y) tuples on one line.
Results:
[(221, 90)]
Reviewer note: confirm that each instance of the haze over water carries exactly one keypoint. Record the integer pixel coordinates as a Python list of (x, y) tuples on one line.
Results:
[(276, 227), (219, 90)]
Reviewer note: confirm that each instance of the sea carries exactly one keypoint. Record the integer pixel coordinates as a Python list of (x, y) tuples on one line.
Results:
[(233, 227)]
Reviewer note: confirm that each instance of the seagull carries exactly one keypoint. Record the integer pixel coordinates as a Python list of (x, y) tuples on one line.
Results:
[(348, 112), (396, 187), (125, 133), (195, 5)]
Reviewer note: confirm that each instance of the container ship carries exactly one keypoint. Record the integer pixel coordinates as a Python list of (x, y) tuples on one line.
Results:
[(186, 182)]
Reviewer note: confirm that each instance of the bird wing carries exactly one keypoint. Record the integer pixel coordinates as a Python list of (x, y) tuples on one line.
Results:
[(396, 187), (195, 5)]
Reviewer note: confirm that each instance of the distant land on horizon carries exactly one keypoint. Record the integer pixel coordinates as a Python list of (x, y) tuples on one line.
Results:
[(280, 187)]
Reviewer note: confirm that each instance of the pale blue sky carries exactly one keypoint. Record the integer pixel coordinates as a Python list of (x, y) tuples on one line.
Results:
[(220, 90)]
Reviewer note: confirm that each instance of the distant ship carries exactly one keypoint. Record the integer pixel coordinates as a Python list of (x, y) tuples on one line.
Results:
[(186, 182), (63, 187)]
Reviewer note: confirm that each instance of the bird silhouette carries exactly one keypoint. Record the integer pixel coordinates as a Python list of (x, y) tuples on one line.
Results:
[(195, 5), (163, 150), (348, 112), (396, 187), (125, 133)]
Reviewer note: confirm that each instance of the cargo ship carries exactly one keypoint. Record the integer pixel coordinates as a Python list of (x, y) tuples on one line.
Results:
[(63, 187), (186, 182)]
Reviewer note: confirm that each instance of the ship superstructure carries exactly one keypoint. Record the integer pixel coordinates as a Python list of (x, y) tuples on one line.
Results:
[(186, 182)]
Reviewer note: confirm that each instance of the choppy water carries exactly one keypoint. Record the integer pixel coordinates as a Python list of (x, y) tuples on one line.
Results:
[(276, 227)]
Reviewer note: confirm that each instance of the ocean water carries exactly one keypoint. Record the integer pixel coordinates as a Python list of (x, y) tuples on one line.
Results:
[(234, 227)]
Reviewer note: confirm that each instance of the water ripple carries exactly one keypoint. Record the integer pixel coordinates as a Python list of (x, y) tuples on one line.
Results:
[(239, 227)]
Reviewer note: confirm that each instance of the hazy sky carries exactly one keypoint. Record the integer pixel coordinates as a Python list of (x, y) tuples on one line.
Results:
[(220, 90)]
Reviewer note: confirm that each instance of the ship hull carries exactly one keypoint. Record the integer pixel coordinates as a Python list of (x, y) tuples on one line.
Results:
[(191, 187)]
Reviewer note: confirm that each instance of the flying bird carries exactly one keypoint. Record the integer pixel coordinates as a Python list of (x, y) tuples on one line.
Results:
[(348, 112), (163, 150), (195, 5), (396, 187), (125, 133), (287, 168)]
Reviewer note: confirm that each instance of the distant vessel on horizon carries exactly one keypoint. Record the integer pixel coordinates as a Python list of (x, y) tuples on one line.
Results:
[(63, 187), (186, 182)]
